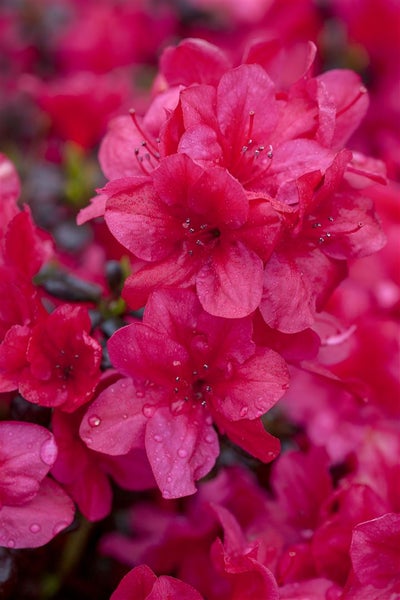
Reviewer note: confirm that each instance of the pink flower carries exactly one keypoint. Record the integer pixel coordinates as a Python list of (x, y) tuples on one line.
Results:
[(193, 227), (56, 362), (33, 508), (188, 369), (142, 584)]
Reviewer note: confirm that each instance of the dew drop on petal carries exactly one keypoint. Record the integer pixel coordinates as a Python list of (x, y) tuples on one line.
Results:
[(209, 420), (59, 527), (125, 416), (166, 494), (139, 394), (157, 438), (148, 410), (94, 421), (182, 452), (209, 438), (11, 543), (244, 411), (176, 363), (48, 452), (169, 479), (34, 528)]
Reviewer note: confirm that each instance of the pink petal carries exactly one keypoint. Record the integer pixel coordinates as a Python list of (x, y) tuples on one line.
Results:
[(37, 522), (296, 285), (95, 209), (251, 436), (115, 422), (27, 452), (139, 220), (230, 285), (375, 550), (179, 450), (137, 584), (244, 90), (256, 386), (139, 351), (193, 61), (178, 270)]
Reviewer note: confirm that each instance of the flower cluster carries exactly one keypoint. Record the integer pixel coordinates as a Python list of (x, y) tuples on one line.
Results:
[(199, 364)]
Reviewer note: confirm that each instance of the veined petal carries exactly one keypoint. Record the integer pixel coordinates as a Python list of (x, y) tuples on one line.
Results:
[(230, 284)]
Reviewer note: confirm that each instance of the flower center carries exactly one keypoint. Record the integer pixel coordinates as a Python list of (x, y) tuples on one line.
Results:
[(191, 390), (199, 236)]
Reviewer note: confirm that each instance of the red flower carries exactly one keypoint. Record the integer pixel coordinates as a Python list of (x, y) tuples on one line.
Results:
[(62, 362), (188, 369), (193, 226)]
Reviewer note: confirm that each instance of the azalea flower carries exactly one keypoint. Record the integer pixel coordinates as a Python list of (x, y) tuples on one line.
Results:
[(185, 370)]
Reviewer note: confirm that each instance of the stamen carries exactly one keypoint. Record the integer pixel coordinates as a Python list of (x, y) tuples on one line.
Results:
[(132, 113)]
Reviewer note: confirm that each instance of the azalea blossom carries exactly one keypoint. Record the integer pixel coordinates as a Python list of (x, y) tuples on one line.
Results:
[(185, 370)]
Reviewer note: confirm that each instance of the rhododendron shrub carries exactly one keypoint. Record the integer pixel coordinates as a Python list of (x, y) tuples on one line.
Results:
[(199, 365)]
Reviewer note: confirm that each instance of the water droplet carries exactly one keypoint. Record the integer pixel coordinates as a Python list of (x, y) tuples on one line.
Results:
[(35, 528), (94, 421), (125, 416), (209, 420), (11, 543), (139, 394), (176, 363), (182, 452), (229, 368), (48, 452), (205, 366), (244, 411), (169, 479), (148, 410), (59, 527), (209, 438), (166, 494), (157, 438)]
